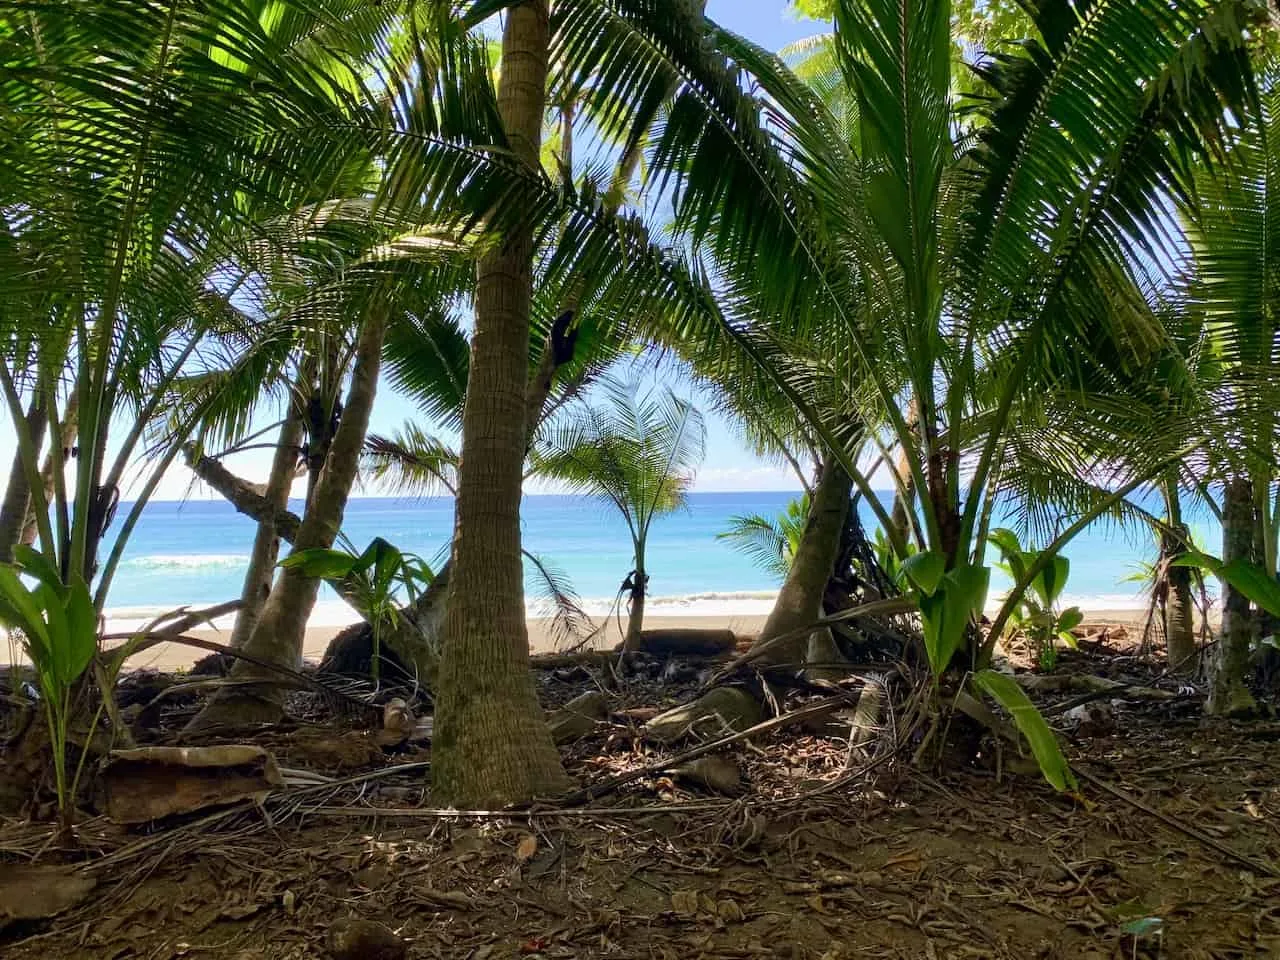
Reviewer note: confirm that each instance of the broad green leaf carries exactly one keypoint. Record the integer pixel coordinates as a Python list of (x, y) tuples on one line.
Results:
[(1249, 578), (20, 609), (1070, 618), (1254, 582), (60, 641), (36, 564), (1044, 745), (82, 626), (947, 613), (369, 558), (1006, 541), (971, 583), (933, 622), (321, 563), (925, 570), (388, 565), (1201, 561), (1050, 581)]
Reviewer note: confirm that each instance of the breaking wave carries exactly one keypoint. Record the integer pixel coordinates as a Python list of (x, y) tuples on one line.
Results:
[(187, 562)]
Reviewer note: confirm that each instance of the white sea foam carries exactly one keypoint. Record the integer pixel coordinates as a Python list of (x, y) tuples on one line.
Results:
[(187, 562), (725, 605)]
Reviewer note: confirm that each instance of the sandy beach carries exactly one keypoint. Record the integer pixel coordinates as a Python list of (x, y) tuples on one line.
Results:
[(172, 656)]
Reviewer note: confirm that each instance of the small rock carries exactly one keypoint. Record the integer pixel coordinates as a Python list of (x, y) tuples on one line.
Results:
[(717, 710), (578, 717), (677, 672), (33, 892), (398, 722), (357, 939), (716, 773), (685, 902), (1095, 719)]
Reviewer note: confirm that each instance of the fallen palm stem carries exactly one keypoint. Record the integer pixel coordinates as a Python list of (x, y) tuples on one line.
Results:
[(1235, 856), (889, 607)]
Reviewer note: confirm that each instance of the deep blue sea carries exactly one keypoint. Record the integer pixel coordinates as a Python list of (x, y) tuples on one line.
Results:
[(195, 552)]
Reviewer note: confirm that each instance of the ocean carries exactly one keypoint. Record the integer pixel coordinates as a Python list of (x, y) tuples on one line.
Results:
[(195, 552)]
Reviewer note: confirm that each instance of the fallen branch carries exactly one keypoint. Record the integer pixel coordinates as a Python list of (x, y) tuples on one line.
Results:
[(1191, 764), (298, 679), (1265, 869), (888, 607)]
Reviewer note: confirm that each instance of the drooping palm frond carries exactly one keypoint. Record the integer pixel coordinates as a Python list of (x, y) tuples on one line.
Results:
[(770, 542), (412, 462), (569, 625)]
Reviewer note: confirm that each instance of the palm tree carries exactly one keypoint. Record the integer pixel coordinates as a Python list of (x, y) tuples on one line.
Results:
[(955, 273), (492, 745), (1232, 297), (636, 450)]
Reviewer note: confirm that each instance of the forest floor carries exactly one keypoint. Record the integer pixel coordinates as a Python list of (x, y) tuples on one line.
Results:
[(803, 862)]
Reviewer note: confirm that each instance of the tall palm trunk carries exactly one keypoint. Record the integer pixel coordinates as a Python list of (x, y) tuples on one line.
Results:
[(904, 500), (1179, 608), (278, 635), (70, 428), (800, 599), (17, 495), (635, 621), (491, 743), (266, 543), (1179, 614), (1227, 691)]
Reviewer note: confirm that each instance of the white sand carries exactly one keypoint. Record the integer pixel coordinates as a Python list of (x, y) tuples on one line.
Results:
[(172, 656)]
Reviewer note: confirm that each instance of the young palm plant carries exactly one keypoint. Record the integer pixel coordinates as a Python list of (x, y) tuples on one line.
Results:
[(953, 257), (770, 542), (636, 450)]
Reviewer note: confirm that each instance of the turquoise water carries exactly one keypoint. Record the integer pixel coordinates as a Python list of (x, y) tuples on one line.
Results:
[(195, 553)]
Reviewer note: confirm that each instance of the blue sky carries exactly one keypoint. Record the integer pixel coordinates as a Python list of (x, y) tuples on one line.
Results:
[(729, 465)]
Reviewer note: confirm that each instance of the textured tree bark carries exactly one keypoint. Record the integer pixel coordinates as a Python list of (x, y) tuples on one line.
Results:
[(904, 501), (70, 428), (277, 637), (245, 497), (1228, 694), (635, 622), (413, 637), (1179, 609), (266, 543), (800, 599), (492, 745), (17, 495)]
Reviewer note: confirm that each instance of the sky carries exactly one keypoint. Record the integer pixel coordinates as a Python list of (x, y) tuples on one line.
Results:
[(728, 466)]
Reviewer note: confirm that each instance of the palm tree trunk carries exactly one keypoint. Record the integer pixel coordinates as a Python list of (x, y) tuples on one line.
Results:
[(635, 622), (1179, 621), (1228, 694), (266, 543), (17, 495), (904, 500), (492, 745), (70, 428), (800, 599), (277, 637), (1179, 608)]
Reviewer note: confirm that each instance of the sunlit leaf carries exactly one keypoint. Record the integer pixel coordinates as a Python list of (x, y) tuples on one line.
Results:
[(1044, 745)]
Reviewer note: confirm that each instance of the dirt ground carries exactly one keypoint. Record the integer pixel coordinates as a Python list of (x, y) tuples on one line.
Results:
[(803, 861)]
